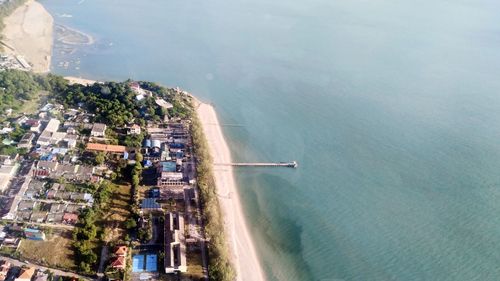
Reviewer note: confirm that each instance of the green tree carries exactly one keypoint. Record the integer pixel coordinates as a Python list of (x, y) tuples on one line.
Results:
[(100, 158)]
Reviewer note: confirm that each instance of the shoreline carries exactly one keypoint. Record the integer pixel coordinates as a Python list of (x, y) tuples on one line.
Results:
[(29, 30), (242, 248), (79, 80)]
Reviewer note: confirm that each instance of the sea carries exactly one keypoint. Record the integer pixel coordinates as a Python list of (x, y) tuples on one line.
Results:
[(390, 107)]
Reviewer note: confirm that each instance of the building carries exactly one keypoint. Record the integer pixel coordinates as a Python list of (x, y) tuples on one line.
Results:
[(69, 218), (121, 251), (168, 175), (150, 204), (34, 234), (175, 244), (120, 260), (108, 148), (52, 126), (8, 169), (26, 141), (4, 269), (40, 276), (134, 130), (34, 125), (98, 130), (26, 274), (70, 140)]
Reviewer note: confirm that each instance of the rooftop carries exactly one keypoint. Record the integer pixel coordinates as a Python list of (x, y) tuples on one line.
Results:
[(106, 147), (168, 166)]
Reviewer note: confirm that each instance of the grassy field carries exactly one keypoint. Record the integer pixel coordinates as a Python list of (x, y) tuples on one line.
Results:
[(118, 212), (195, 268), (56, 251)]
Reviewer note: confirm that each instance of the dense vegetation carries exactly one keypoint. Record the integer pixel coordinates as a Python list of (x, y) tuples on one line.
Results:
[(85, 235), (220, 267), (17, 87)]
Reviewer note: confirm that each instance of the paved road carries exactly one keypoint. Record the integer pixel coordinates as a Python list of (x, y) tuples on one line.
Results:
[(57, 272), (52, 225), (104, 257)]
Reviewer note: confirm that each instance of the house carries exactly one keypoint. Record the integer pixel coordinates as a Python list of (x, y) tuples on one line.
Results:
[(69, 218), (175, 244), (11, 242), (34, 125), (134, 130), (26, 141), (119, 262), (34, 234), (26, 205), (21, 120), (26, 274), (38, 216), (44, 139), (70, 141), (52, 126), (121, 251), (41, 276), (98, 130), (47, 165), (71, 131), (150, 204), (4, 269)]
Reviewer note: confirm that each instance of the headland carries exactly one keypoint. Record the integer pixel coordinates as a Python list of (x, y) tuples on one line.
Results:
[(29, 33)]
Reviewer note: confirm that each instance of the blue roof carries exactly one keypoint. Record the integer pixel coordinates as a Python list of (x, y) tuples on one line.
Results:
[(150, 203), (168, 166), (176, 145)]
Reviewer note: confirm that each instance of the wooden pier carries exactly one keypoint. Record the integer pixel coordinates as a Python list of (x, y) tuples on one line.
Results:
[(292, 164)]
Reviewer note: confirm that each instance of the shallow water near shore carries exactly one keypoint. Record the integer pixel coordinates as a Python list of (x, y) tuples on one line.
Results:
[(390, 108)]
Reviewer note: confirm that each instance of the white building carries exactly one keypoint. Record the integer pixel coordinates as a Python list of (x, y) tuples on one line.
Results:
[(98, 130), (53, 125), (175, 244)]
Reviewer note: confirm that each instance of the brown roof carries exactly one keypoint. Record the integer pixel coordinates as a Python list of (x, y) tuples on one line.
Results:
[(27, 273), (106, 147), (121, 250), (119, 262), (70, 217)]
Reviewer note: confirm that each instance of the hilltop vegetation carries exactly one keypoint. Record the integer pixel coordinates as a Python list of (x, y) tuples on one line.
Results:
[(16, 87)]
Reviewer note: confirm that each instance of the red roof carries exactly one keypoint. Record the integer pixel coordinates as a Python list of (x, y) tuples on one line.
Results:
[(106, 147), (119, 262), (69, 217), (32, 122)]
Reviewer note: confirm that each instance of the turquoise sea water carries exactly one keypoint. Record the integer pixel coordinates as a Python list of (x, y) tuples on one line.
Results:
[(391, 108)]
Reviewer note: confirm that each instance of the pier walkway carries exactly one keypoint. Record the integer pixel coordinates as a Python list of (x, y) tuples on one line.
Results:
[(292, 164)]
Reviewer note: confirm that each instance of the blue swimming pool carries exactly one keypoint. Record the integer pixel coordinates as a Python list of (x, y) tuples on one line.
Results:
[(151, 263), (138, 263)]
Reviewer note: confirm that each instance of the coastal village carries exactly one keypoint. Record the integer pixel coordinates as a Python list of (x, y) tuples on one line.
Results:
[(108, 181), (63, 162)]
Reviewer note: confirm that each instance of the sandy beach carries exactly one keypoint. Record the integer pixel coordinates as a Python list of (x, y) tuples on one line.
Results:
[(78, 80), (242, 249), (29, 30)]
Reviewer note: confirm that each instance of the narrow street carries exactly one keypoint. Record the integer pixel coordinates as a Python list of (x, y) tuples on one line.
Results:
[(57, 272)]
